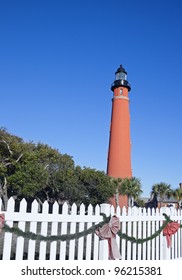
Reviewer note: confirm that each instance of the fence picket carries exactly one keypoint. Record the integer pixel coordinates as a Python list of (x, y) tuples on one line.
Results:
[(139, 235), (89, 236), (157, 240), (96, 238), (81, 228), (21, 225), (144, 234), (161, 237), (123, 230), (134, 232), (33, 228), (44, 227), (54, 231), (153, 230), (72, 230), (63, 231), (179, 236), (149, 234), (174, 237), (129, 233)]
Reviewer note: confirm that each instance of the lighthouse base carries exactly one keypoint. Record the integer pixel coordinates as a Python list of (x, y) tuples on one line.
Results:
[(122, 201)]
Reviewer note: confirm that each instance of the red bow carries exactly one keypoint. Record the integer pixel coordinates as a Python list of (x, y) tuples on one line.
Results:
[(2, 219), (108, 231), (170, 229)]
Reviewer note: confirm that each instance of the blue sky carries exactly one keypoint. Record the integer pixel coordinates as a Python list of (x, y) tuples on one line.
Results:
[(57, 62)]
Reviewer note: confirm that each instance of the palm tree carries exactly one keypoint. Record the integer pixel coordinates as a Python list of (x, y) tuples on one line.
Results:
[(116, 184), (162, 190), (132, 188), (177, 194), (127, 186)]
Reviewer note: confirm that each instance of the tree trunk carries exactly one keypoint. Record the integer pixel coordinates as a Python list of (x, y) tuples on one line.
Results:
[(4, 194)]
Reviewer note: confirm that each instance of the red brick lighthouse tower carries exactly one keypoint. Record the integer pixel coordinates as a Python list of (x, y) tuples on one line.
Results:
[(119, 155)]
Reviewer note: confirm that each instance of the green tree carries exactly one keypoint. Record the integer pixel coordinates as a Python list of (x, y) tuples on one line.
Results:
[(177, 194), (140, 202), (127, 186), (11, 152), (30, 170), (98, 186), (38, 171), (162, 190)]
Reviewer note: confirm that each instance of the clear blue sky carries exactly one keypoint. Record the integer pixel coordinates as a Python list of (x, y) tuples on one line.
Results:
[(57, 62)]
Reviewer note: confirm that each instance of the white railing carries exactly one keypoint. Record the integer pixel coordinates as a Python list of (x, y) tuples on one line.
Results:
[(136, 222)]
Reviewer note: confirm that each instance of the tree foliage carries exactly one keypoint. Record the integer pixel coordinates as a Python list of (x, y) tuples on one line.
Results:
[(162, 190), (38, 171), (128, 186)]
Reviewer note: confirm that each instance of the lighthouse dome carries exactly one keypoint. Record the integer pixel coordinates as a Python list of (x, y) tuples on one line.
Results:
[(121, 69)]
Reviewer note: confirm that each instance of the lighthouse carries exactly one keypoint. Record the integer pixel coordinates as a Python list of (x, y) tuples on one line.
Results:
[(119, 154)]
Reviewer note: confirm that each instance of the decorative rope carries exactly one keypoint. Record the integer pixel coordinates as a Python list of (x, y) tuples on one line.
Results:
[(92, 229)]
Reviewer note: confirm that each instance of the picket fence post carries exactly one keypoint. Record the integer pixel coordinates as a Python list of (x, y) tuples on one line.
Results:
[(166, 250), (103, 244)]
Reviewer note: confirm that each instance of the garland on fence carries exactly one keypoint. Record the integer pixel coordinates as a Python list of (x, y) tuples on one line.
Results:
[(64, 237), (92, 229), (167, 222)]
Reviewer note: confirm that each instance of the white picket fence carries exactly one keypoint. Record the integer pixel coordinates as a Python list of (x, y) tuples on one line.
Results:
[(137, 222)]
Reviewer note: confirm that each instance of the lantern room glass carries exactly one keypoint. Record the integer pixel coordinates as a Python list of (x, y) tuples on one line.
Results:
[(121, 76)]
